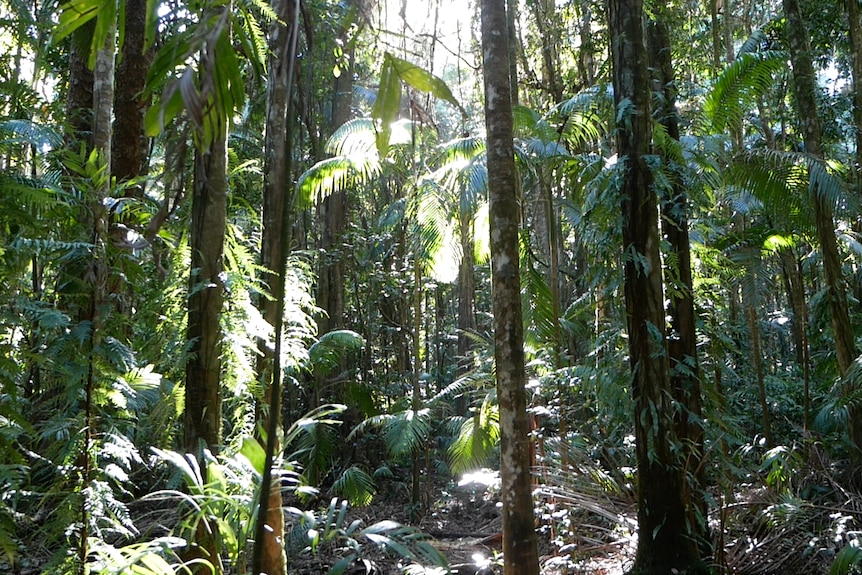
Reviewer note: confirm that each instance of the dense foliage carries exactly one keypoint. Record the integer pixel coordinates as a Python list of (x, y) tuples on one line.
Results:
[(339, 313)]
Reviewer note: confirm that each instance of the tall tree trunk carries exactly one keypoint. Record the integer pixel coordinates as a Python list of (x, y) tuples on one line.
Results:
[(269, 556), (796, 295), (466, 301), (520, 553), (682, 343), (544, 12), (202, 421), (511, 23), (79, 97), (664, 541), (806, 104), (855, 27), (587, 52), (334, 208), (103, 99), (129, 150)]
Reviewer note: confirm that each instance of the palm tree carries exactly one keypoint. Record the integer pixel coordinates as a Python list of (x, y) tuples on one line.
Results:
[(519, 534)]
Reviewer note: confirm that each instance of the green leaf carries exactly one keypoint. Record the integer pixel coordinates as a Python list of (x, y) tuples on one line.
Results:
[(847, 560), (162, 113), (741, 82), (424, 81), (75, 14), (253, 451), (386, 106)]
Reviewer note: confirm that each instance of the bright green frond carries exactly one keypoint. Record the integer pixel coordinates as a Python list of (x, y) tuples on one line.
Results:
[(327, 353), (333, 175), (476, 440), (741, 82)]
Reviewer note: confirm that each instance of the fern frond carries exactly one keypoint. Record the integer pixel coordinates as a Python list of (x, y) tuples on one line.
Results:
[(14, 132), (739, 85)]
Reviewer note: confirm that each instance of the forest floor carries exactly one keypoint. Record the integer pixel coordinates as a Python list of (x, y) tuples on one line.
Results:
[(463, 521), (798, 526)]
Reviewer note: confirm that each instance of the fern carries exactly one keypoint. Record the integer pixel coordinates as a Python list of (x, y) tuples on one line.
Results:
[(739, 86)]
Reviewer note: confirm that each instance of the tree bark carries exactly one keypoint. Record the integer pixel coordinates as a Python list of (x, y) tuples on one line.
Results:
[(664, 541), (520, 553), (545, 18), (206, 295), (466, 301), (129, 150), (855, 27), (277, 160), (682, 343), (79, 97), (334, 208), (806, 104)]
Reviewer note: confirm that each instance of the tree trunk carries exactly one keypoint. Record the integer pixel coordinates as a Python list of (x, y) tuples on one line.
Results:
[(103, 98), (520, 553), (277, 159), (334, 208), (805, 89), (855, 26), (79, 97), (546, 22), (466, 302), (129, 150), (206, 294), (511, 21), (796, 295), (664, 541), (682, 343)]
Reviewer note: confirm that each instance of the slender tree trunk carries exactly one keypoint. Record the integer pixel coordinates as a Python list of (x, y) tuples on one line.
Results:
[(202, 421), (682, 343), (796, 295), (334, 208), (855, 26), (715, 27), (79, 97), (520, 553), (511, 23), (587, 52), (103, 98), (664, 542), (544, 12), (466, 302), (757, 359), (277, 161), (805, 88)]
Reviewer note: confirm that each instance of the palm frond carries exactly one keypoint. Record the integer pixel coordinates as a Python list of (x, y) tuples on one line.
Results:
[(739, 85), (407, 431), (333, 175), (13, 132), (354, 137), (476, 440), (327, 352), (538, 310), (754, 42), (780, 181), (356, 486)]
